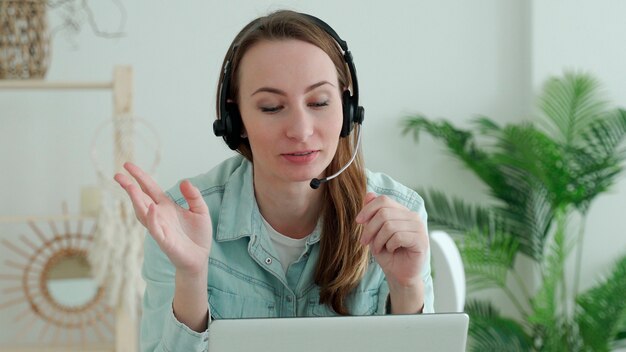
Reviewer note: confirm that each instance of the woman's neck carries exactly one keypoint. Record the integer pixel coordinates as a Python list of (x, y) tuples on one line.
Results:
[(291, 209)]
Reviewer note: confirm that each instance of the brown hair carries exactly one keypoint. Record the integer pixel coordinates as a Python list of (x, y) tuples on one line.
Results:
[(343, 260)]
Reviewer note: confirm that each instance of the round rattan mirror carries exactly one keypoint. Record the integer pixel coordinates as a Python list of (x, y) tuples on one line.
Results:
[(66, 281), (49, 274)]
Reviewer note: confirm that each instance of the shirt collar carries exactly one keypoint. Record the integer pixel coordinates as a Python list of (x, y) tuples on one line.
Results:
[(239, 212)]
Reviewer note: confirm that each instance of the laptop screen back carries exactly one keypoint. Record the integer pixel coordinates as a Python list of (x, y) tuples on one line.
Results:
[(425, 332)]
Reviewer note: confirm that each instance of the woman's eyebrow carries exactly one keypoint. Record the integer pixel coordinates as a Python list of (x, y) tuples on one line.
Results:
[(280, 92)]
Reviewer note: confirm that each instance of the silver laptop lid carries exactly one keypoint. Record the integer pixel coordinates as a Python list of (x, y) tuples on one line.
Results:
[(425, 332)]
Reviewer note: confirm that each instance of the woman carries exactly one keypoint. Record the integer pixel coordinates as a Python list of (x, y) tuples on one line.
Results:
[(251, 238)]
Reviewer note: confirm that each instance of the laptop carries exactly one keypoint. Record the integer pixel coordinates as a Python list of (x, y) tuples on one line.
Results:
[(441, 332)]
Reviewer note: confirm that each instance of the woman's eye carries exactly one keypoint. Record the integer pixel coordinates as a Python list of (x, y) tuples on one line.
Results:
[(271, 109), (319, 104)]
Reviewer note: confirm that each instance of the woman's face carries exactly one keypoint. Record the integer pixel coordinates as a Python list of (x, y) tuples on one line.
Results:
[(291, 109)]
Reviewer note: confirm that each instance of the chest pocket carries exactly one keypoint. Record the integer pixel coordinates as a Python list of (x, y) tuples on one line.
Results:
[(226, 305), (358, 303)]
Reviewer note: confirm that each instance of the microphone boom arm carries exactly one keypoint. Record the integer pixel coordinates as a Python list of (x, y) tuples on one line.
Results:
[(316, 183)]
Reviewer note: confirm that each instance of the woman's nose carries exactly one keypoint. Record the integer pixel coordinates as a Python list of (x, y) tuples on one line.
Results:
[(299, 125)]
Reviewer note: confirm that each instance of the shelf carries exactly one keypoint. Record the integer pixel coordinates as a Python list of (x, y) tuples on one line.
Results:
[(87, 348), (62, 217), (47, 85)]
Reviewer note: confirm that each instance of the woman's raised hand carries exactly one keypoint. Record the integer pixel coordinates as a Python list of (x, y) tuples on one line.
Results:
[(184, 235), (397, 238)]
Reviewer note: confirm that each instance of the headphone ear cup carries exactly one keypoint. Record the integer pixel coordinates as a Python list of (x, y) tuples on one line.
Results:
[(219, 128), (233, 125), (348, 113), (229, 126)]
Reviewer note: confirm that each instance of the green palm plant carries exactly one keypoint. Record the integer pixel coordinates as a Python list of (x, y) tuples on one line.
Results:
[(540, 177)]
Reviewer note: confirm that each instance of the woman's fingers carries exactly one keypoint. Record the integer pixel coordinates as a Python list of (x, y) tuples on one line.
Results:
[(376, 212), (146, 182), (394, 235), (193, 197), (140, 200), (122, 180), (373, 204), (387, 225), (368, 209)]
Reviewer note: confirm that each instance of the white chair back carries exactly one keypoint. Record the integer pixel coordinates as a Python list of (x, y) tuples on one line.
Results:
[(448, 273)]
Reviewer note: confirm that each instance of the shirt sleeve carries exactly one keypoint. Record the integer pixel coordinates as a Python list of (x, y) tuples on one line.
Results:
[(160, 330)]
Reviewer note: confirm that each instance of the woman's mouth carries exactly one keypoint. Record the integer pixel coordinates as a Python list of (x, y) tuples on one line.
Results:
[(301, 153), (301, 157)]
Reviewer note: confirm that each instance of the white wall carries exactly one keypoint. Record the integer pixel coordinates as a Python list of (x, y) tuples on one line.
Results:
[(454, 59)]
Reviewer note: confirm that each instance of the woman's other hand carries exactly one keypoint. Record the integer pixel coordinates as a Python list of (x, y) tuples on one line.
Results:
[(398, 240)]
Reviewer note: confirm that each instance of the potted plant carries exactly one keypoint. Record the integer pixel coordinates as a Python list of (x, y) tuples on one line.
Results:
[(541, 178)]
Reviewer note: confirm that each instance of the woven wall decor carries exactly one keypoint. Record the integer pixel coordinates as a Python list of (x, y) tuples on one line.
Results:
[(24, 39), (48, 285)]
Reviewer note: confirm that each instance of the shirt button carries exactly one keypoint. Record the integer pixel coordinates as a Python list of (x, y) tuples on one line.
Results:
[(268, 261)]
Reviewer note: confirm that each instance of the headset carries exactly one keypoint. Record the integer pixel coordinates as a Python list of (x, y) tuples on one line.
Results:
[(229, 124)]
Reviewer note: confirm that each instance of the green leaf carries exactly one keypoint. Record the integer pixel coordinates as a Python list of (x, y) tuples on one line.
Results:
[(454, 214), (571, 103), (602, 309), (489, 331), (460, 143), (549, 309), (487, 259), (604, 135), (486, 126)]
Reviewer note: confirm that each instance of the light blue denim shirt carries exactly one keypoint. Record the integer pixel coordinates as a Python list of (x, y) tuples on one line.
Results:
[(245, 276)]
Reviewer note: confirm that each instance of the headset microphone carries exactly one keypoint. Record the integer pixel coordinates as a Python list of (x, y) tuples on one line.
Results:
[(316, 182)]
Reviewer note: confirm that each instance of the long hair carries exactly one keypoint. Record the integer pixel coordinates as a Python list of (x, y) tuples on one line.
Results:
[(343, 260)]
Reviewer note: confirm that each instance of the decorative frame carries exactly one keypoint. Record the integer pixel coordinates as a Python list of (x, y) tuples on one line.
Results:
[(37, 255)]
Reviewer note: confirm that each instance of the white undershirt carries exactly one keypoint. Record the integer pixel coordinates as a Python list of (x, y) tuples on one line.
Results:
[(288, 249)]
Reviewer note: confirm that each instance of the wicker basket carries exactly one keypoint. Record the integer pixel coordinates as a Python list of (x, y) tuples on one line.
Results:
[(24, 39)]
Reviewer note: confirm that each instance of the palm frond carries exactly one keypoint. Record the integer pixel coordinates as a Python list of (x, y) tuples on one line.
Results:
[(602, 310), (454, 214), (620, 339), (486, 126), (489, 331), (596, 165), (571, 103), (529, 213), (563, 336), (590, 176), (546, 307), (604, 135), (460, 143), (487, 258), (535, 157)]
